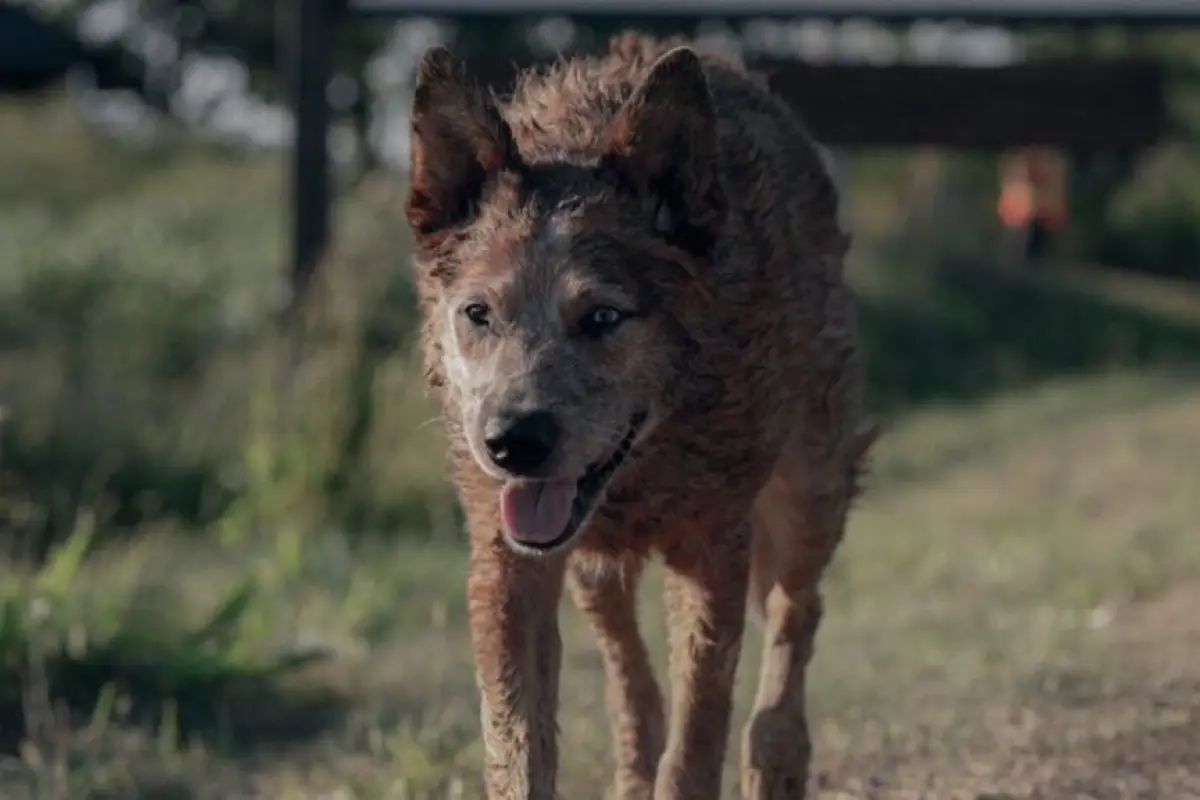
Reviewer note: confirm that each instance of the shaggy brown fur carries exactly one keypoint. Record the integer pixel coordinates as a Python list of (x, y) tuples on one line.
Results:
[(631, 279)]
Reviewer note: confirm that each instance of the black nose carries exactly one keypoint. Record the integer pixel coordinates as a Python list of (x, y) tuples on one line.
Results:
[(521, 444)]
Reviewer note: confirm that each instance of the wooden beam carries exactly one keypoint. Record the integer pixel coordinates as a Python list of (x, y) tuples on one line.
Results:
[(1079, 105), (1076, 104), (1038, 12)]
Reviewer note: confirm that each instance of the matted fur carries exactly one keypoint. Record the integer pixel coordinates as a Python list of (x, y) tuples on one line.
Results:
[(677, 193)]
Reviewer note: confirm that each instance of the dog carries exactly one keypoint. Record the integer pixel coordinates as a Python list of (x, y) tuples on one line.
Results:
[(630, 274)]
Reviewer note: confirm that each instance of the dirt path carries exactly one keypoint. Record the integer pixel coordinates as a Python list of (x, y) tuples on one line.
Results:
[(1125, 725), (1123, 746)]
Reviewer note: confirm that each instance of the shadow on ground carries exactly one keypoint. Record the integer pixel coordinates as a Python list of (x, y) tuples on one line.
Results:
[(960, 333), (230, 714)]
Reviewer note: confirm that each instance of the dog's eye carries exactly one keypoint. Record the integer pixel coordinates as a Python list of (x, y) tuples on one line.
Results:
[(601, 320), (477, 313)]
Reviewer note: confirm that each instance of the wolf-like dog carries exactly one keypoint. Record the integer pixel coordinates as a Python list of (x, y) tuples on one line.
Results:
[(630, 273)]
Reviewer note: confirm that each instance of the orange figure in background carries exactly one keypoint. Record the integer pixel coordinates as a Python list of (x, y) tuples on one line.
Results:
[(1033, 194)]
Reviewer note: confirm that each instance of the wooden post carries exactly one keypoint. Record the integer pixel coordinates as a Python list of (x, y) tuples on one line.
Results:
[(309, 57)]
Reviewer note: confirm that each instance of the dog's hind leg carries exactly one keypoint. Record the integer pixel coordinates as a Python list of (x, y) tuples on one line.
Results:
[(798, 521), (607, 596)]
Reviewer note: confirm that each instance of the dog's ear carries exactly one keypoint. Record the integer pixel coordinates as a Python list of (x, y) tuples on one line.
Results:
[(663, 142), (459, 140)]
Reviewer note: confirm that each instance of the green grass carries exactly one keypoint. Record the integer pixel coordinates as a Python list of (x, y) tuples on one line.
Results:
[(967, 587), (200, 600)]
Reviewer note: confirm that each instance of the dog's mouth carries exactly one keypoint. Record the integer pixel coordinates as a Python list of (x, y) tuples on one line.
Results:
[(542, 516)]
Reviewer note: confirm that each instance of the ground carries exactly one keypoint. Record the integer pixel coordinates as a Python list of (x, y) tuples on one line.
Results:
[(1011, 616)]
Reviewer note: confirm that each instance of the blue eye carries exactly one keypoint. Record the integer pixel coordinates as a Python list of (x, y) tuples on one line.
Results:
[(601, 320)]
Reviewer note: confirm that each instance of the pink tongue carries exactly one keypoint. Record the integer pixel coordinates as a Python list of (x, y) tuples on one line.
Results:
[(536, 512)]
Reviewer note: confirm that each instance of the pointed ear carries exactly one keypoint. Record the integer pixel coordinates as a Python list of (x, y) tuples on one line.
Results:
[(459, 140), (664, 144)]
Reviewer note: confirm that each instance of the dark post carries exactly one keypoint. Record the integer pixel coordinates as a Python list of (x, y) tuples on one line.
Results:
[(310, 23)]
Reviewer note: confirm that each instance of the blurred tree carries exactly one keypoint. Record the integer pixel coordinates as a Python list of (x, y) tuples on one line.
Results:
[(159, 42), (1122, 209), (1139, 211)]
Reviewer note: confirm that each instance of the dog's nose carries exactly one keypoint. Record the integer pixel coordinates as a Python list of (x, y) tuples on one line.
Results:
[(521, 444)]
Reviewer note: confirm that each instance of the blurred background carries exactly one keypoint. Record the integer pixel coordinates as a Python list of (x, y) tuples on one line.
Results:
[(233, 567)]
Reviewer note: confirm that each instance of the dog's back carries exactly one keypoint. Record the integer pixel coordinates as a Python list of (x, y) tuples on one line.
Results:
[(562, 112)]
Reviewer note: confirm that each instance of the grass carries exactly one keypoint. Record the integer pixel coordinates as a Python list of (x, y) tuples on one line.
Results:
[(994, 578), (199, 600)]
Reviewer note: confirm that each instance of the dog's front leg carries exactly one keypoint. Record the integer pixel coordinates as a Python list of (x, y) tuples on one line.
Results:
[(608, 598), (707, 576), (513, 605)]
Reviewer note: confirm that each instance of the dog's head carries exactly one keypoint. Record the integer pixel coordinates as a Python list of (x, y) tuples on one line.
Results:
[(553, 289)]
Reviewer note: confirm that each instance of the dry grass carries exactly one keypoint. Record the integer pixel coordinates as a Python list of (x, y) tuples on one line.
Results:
[(1010, 617)]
